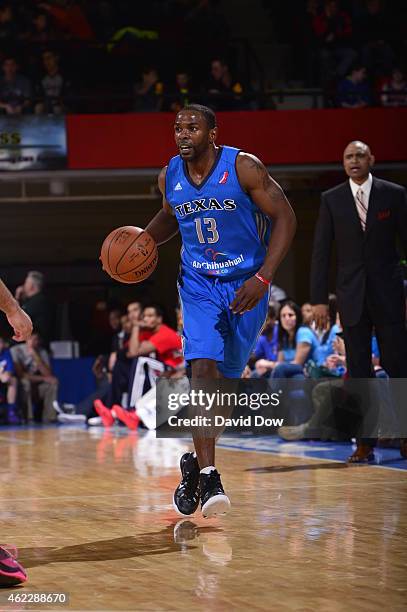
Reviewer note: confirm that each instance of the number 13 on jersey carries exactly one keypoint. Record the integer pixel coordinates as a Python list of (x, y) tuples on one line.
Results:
[(211, 223)]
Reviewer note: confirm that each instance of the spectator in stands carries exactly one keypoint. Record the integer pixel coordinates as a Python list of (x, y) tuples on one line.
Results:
[(15, 89), (38, 384), (181, 95), (329, 337), (33, 300), (52, 88), (120, 363), (297, 342), (297, 347), (333, 31), (70, 19), (394, 91), (305, 64), (104, 364), (151, 338), (163, 341), (307, 313), (149, 92), (8, 384), (8, 26), (289, 321), (225, 93), (354, 91), (103, 18), (266, 349), (327, 397), (373, 30), (42, 29)]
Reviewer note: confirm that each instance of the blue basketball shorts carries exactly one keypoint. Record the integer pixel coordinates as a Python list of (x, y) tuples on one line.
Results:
[(211, 330)]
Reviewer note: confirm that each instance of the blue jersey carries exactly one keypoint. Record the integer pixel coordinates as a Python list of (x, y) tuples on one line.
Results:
[(223, 231)]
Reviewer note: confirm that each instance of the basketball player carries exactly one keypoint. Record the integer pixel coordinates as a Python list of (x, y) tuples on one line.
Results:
[(236, 226), (11, 572)]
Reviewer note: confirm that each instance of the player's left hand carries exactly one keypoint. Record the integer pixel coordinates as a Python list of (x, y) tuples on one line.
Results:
[(248, 295)]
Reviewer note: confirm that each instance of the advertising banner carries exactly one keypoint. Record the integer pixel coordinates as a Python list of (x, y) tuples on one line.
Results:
[(30, 142)]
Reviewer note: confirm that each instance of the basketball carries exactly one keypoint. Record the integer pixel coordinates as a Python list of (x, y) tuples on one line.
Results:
[(129, 254)]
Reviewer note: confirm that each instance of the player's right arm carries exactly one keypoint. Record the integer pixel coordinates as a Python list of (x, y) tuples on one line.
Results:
[(164, 225), (18, 319)]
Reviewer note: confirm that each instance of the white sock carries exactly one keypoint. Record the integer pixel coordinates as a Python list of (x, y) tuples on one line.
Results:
[(208, 470)]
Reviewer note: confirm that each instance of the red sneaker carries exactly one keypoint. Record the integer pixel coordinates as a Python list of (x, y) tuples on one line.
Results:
[(131, 419), (11, 572), (104, 412)]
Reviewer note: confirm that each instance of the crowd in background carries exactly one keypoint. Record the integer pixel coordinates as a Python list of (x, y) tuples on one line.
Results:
[(83, 56), (137, 346), (141, 347)]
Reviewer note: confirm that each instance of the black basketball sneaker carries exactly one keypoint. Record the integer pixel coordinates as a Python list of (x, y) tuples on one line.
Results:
[(214, 502), (186, 495)]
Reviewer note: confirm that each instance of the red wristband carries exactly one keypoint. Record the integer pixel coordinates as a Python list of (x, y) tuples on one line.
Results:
[(262, 279)]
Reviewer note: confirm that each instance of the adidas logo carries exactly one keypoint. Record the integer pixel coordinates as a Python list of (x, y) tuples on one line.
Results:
[(178, 187)]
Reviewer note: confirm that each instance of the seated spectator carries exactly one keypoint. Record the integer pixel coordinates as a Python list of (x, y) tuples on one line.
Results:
[(42, 28), (303, 37), (297, 346), (297, 343), (152, 339), (394, 91), (70, 19), (8, 384), (266, 349), (38, 384), (225, 93), (373, 30), (103, 18), (8, 26), (120, 362), (163, 343), (353, 91), (289, 321), (329, 336), (307, 313), (333, 31), (15, 89), (33, 300), (327, 397), (149, 92), (181, 94), (52, 88)]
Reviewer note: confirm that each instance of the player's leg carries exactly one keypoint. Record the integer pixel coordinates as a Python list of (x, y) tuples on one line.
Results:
[(12, 412), (204, 325), (214, 502), (204, 369)]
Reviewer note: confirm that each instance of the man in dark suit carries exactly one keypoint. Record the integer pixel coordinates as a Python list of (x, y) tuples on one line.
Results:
[(364, 216)]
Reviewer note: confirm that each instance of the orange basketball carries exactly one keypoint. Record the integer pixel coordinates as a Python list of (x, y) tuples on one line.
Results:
[(129, 254)]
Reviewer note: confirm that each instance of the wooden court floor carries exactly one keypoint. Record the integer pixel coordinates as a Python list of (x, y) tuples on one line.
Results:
[(91, 516)]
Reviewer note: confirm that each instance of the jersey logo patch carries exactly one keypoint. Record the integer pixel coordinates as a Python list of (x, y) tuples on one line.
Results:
[(178, 187), (224, 178)]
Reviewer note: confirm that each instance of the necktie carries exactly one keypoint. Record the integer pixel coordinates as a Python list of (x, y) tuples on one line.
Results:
[(361, 206)]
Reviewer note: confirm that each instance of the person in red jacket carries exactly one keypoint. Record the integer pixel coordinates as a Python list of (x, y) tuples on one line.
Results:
[(70, 18)]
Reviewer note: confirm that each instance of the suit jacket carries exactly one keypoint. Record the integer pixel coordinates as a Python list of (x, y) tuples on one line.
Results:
[(367, 261)]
